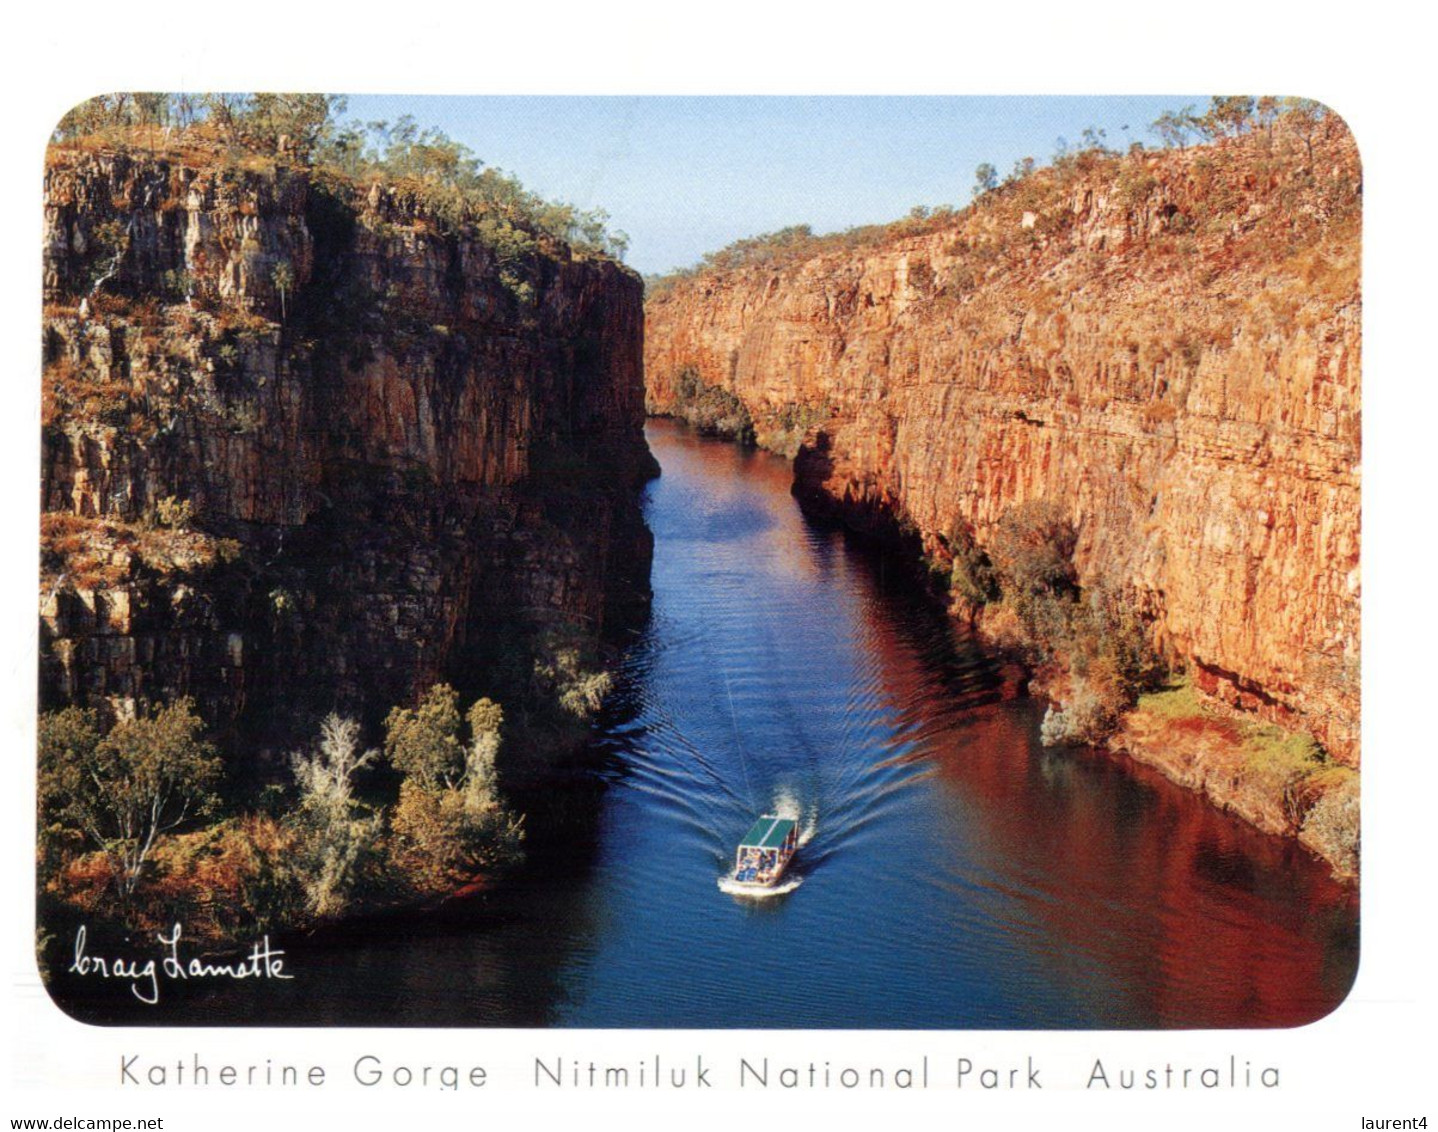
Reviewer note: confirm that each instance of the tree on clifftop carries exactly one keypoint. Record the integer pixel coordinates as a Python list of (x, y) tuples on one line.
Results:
[(1228, 115), (986, 179), (1174, 126), (337, 835)]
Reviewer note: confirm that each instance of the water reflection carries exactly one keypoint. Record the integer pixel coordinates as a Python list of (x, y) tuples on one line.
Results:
[(958, 874)]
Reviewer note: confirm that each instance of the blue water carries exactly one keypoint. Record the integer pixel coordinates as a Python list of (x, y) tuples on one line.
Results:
[(955, 874)]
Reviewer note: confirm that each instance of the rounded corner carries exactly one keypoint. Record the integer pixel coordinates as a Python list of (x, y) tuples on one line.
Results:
[(46, 977), (1325, 110)]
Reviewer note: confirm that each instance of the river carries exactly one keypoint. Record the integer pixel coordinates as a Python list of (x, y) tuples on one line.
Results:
[(953, 873)]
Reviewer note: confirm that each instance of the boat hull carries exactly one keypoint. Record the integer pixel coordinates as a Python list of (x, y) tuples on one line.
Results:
[(759, 885)]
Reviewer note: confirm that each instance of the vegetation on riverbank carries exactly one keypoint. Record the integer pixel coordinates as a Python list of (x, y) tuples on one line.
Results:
[(1089, 646), (141, 828), (1280, 780), (138, 825), (709, 409), (1091, 656)]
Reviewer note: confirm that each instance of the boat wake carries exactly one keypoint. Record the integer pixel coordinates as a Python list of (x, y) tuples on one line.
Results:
[(756, 892), (786, 805)]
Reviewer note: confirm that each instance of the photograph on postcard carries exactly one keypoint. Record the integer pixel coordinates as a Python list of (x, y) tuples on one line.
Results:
[(680, 562)]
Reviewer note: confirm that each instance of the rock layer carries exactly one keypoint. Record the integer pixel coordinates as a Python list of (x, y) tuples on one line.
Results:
[(1166, 345), (389, 452)]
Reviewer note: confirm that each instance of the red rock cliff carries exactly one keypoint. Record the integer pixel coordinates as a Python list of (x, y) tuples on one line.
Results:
[(1165, 344), (308, 446)]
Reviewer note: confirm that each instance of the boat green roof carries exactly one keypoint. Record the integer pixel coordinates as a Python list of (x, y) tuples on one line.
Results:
[(767, 833)]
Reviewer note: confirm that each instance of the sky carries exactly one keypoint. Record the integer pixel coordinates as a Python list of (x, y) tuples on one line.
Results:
[(685, 175)]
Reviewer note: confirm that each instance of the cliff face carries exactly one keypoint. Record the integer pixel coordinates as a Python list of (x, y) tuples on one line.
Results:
[(1166, 345), (307, 448)]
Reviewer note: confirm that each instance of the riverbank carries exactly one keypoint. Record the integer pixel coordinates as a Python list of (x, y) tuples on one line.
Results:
[(1279, 782), (1104, 687)]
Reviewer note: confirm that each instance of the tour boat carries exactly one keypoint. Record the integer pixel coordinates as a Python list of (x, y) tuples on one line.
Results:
[(765, 851)]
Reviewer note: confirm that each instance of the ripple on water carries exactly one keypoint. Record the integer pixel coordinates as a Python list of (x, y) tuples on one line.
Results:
[(950, 872)]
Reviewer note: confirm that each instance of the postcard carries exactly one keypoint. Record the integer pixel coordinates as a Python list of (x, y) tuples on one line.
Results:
[(826, 595)]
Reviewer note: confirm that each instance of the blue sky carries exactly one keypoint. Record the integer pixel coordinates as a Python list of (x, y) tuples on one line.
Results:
[(685, 175)]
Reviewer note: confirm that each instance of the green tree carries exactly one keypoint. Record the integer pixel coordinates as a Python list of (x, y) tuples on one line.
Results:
[(486, 722), (562, 675), (1228, 115), (325, 775), (66, 738), (103, 112), (1023, 167), (226, 110), (446, 837), (986, 179), (1033, 548), (122, 790), (110, 243), (1175, 127), (1266, 111), (759, 249), (150, 108), (971, 575), (423, 742)]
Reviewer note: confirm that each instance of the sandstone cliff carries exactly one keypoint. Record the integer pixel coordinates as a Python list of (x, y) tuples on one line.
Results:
[(1164, 344), (307, 445)]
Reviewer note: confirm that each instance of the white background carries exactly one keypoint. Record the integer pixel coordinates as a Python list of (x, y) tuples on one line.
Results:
[(1371, 1058)]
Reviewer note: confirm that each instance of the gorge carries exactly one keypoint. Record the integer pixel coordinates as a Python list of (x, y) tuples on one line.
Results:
[(1037, 610)]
